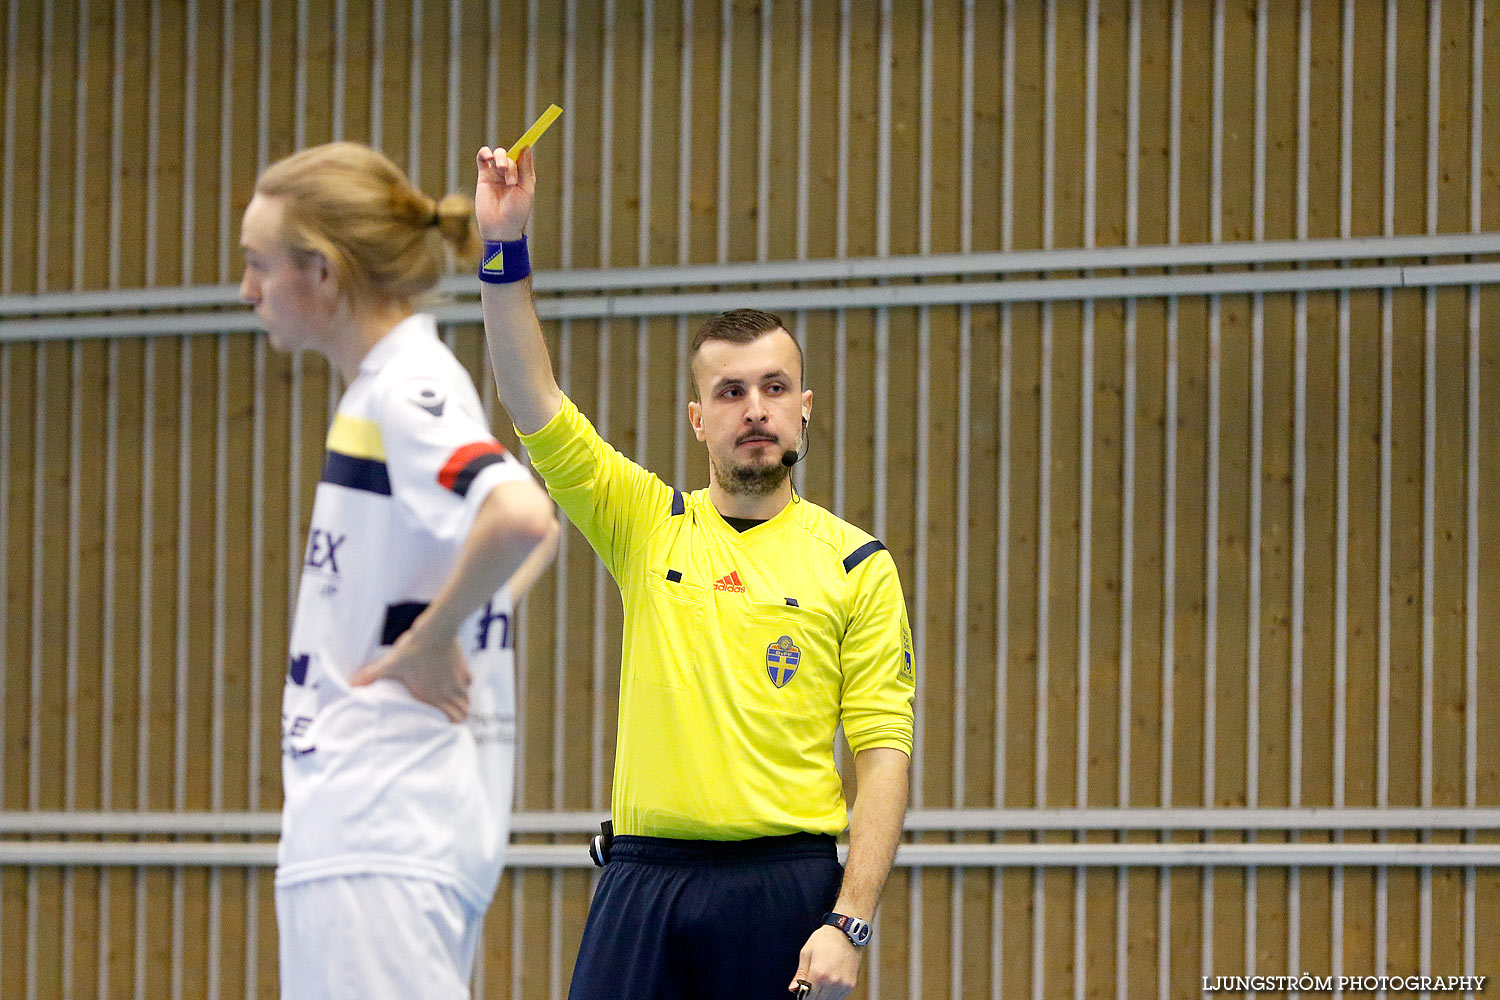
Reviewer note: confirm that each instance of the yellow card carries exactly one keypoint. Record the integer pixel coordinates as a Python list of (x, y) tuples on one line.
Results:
[(535, 132)]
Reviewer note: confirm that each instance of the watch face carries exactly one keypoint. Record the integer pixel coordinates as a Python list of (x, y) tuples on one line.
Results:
[(859, 932)]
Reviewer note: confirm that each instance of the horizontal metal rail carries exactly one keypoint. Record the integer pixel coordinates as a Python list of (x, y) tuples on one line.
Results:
[(889, 296), (1210, 855), (577, 280), (540, 823)]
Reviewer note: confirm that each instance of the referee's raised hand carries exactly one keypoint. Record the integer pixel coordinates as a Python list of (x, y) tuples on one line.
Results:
[(504, 193)]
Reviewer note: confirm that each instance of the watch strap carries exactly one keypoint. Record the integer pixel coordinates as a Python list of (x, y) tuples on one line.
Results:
[(855, 929)]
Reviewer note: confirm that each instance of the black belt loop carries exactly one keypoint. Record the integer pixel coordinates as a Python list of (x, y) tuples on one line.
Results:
[(599, 843)]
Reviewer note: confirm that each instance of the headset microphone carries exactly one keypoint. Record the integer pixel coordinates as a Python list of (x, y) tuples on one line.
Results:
[(791, 458)]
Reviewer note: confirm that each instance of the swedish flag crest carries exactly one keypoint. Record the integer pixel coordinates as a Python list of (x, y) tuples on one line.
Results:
[(782, 657)]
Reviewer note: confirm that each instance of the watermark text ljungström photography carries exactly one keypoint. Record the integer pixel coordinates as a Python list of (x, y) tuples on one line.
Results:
[(1307, 983)]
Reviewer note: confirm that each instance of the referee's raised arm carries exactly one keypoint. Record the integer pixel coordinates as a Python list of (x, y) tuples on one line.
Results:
[(523, 370)]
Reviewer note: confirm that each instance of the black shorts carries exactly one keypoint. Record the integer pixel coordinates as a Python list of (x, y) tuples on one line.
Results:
[(679, 919)]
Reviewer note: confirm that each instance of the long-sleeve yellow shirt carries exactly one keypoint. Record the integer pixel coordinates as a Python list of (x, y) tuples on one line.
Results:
[(742, 651)]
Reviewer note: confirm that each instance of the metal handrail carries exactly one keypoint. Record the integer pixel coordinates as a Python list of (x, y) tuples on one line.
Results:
[(560, 823), (609, 306)]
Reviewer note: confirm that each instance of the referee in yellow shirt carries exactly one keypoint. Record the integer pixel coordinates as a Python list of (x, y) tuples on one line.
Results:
[(755, 623)]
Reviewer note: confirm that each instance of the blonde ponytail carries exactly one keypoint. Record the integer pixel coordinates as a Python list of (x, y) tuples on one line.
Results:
[(385, 240)]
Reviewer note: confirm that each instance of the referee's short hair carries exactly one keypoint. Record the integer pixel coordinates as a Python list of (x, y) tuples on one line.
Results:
[(737, 326)]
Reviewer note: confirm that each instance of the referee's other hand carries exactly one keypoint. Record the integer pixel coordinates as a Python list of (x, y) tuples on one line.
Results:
[(434, 673), (830, 963)]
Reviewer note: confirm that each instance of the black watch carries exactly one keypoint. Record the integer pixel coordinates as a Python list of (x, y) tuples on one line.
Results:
[(855, 929)]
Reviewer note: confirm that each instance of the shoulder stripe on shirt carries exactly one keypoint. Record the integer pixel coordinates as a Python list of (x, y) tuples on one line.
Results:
[(457, 474), (679, 506), (862, 553), (366, 474)]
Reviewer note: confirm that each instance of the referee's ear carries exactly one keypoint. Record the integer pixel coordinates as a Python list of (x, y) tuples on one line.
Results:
[(695, 418)]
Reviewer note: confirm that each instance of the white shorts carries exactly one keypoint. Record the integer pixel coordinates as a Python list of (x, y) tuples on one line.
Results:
[(375, 937)]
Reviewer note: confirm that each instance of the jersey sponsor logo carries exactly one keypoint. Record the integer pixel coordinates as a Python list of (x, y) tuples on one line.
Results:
[(429, 396), (733, 584), (782, 657), (493, 624), (907, 670), (323, 550)]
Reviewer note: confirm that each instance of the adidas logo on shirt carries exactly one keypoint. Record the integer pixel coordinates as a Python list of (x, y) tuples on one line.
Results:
[(731, 583)]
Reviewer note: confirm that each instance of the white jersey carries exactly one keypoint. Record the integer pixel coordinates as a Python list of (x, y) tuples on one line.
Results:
[(375, 781)]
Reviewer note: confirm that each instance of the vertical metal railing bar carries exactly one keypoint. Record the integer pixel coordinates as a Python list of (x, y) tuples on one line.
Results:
[(522, 659), (116, 141), (560, 634), (726, 80), (1127, 486), (684, 231), (1002, 530), (340, 66), (883, 248), (294, 536), (220, 641), (8, 168), (1299, 482), (107, 652), (763, 132), (455, 88), (804, 129), (377, 74), (299, 78), (492, 78), (257, 656), (263, 88), (44, 153), (1169, 507), (144, 653), (38, 549), (1429, 472), (226, 139), (1341, 531), (414, 96), (34, 734), (70, 725), (915, 912), (5, 371), (1211, 483), (882, 336), (1085, 489), (181, 652), (80, 139), (961, 514), (80, 134), (1387, 322), (643, 224), (1044, 495), (1471, 517), (841, 250)]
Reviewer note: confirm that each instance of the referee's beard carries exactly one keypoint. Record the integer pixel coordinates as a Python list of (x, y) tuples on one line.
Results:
[(750, 480)]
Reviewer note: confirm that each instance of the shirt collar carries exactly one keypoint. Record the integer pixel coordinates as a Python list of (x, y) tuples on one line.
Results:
[(417, 326)]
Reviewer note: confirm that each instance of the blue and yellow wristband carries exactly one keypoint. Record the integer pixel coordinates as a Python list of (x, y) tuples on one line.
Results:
[(501, 263)]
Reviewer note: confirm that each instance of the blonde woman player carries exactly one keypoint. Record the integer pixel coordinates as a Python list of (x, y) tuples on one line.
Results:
[(398, 717)]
